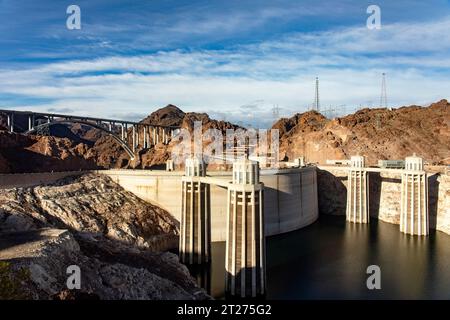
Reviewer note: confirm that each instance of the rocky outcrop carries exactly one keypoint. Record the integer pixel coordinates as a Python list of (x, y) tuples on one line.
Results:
[(108, 153), (91, 204), (374, 133), (46, 255), (170, 115), (21, 153), (119, 241)]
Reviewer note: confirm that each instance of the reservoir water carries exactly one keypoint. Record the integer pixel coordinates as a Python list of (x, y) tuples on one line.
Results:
[(329, 259)]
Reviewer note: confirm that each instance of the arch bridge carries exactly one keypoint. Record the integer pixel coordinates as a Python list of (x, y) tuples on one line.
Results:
[(129, 134)]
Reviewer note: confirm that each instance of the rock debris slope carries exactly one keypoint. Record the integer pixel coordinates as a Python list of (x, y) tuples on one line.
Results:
[(119, 241)]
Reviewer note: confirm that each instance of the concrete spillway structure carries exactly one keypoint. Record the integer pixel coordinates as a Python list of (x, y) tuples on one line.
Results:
[(357, 191), (245, 243), (414, 217), (195, 228)]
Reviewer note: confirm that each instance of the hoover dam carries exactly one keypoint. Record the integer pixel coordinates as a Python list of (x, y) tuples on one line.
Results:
[(253, 206), (290, 201), (290, 196)]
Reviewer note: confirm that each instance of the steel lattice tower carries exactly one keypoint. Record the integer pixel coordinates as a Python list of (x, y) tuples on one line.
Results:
[(383, 97), (316, 98)]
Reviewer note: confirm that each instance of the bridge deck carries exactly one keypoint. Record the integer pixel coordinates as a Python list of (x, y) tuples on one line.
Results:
[(67, 116)]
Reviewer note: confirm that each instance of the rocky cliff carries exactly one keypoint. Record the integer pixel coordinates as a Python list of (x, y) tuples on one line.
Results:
[(119, 241), (21, 153), (108, 153), (374, 133)]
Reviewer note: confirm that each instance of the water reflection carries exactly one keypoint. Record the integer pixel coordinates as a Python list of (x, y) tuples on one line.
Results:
[(329, 259)]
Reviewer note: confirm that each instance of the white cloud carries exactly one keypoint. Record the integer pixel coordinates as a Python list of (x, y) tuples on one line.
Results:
[(348, 61)]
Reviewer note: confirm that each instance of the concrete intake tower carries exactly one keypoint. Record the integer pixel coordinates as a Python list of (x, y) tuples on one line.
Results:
[(195, 228), (414, 198), (357, 191), (245, 245)]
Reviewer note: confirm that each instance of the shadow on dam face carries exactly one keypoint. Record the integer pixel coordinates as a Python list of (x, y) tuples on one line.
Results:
[(433, 198)]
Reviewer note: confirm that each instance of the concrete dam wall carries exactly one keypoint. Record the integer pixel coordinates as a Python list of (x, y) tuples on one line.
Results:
[(290, 196)]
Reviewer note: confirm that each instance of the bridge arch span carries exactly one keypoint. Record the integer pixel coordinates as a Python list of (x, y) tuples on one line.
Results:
[(87, 123)]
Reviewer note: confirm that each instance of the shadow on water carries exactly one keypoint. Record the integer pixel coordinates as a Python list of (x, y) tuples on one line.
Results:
[(329, 260), (211, 276)]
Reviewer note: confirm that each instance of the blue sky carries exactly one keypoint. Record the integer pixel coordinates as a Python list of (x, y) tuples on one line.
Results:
[(232, 59)]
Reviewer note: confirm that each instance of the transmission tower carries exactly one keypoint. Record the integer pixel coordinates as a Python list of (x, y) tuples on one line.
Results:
[(276, 112), (316, 97), (383, 98), (329, 112)]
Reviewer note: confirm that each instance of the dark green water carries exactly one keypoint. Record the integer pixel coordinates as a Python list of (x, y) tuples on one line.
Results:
[(328, 260)]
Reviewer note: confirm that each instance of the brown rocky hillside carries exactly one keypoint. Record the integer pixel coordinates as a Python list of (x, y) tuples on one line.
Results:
[(81, 147), (375, 133), (21, 153), (110, 154)]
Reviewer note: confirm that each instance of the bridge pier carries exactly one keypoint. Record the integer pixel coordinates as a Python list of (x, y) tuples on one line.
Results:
[(357, 192), (414, 218), (245, 245), (150, 136), (11, 122), (145, 137), (195, 227), (133, 138), (153, 136), (138, 137), (30, 123)]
